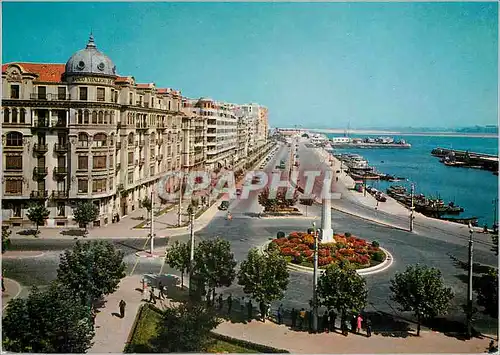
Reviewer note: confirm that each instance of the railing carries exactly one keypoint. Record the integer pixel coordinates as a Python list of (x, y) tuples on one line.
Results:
[(50, 97), (141, 125), (39, 194), (59, 194), (61, 148), (58, 170), (39, 170), (41, 123), (41, 148)]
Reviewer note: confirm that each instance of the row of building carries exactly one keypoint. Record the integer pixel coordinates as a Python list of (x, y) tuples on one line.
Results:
[(79, 131)]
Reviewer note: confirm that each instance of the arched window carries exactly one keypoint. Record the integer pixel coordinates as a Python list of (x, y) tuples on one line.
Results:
[(106, 117), (14, 115), (94, 117), (6, 115), (86, 116), (100, 140), (101, 117), (22, 116), (130, 139), (80, 117), (14, 139), (83, 139)]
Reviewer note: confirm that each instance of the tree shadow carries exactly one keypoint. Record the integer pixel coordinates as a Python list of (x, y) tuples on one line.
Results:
[(32, 232), (74, 232), (477, 268), (118, 315), (450, 328), (388, 325)]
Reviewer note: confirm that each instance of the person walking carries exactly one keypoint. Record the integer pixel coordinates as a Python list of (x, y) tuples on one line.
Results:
[(309, 319), (359, 322), (324, 321), (293, 315), (262, 308), (122, 305), (368, 328), (249, 310), (354, 322), (219, 301), (242, 304), (229, 303), (280, 314), (331, 318), (160, 291), (152, 297), (302, 317), (3, 284)]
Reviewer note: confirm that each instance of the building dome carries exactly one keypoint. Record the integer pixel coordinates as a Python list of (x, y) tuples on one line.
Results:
[(90, 61)]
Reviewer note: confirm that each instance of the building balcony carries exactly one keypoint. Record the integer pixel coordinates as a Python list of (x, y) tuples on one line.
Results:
[(40, 171), (119, 125), (50, 97), (40, 123), (39, 194), (118, 145), (61, 148), (60, 171), (59, 194), (141, 125), (40, 148)]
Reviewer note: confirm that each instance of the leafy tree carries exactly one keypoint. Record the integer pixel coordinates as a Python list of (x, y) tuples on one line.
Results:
[(264, 275), (37, 213), (147, 204), (50, 321), (214, 265), (185, 329), (279, 202), (91, 269), (487, 292), (421, 290), (85, 212), (6, 232), (494, 239), (178, 258), (342, 289)]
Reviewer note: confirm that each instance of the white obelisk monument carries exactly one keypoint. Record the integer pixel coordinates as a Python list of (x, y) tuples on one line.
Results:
[(326, 222)]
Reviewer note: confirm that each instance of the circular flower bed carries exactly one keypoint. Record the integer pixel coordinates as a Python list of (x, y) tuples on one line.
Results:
[(298, 248)]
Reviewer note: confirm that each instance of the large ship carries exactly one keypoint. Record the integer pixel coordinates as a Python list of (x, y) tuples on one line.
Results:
[(380, 142)]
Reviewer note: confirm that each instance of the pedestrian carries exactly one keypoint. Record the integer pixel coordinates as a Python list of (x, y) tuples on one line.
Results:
[(325, 322), (302, 317), (152, 297), (280, 314), (331, 318), (122, 305), (293, 315), (359, 321), (268, 310), (229, 303), (354, 322), (249, 310), (160, 291), (262, 308), (368, 328), (242, 304), (345, 329), (309, 319), (219, 301), (485, 228), (3, 285)]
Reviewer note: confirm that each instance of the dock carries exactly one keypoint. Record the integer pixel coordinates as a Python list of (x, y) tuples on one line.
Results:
[(466, 159)]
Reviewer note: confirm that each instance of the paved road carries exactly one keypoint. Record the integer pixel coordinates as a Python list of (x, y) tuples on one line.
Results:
[(246, 231)]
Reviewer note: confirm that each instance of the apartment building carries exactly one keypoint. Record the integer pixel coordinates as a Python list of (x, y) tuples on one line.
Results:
[(79, 131), (256, 117)]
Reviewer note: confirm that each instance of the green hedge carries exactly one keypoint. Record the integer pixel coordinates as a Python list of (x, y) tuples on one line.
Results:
[(249, 345)]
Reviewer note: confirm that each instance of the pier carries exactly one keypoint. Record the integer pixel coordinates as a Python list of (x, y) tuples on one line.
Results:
[(466, 159)]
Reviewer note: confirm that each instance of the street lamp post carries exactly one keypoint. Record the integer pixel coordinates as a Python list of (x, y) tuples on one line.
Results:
[(191, 247), (151, 224), (315, 281), (412, 208), (469, 285)]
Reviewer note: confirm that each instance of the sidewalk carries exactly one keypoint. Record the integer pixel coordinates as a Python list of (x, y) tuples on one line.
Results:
[(281, 337), (12, 290)]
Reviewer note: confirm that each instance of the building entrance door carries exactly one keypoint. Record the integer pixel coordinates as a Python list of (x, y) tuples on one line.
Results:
[(123, 204)]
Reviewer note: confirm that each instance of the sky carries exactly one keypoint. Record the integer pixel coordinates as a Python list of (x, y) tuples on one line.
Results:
[(319, 65)]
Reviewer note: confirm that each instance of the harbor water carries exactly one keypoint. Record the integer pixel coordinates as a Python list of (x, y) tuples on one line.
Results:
[(473, 189)]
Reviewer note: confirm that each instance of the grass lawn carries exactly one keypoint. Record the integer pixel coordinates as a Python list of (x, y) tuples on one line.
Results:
[(145, 330)]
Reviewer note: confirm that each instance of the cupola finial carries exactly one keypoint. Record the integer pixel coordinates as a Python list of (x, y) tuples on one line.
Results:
[(91, 43)]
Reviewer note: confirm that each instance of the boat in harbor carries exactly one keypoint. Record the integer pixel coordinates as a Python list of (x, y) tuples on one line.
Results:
[(380, 142), (473, 221)]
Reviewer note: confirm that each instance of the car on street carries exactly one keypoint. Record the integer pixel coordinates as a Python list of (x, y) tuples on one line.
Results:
[(224, 205)]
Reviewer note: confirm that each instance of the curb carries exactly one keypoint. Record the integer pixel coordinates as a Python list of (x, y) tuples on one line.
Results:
[(387, 263), (20, 288), (370, 219), (21, 256)]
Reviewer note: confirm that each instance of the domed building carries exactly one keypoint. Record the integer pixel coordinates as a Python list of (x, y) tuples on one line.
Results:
[(80, 132)]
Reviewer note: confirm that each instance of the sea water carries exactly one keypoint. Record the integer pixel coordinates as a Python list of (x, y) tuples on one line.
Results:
[(473, 189)]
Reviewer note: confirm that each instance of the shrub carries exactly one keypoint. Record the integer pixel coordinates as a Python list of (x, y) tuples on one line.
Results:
[(298, 259), (310, 231), (295, 241), (308, 239), (293, 235), (307, 253), (301, 247), (347, 234), (324, 252), (280, 234), (378, 256), (287, 251), (375, 244)]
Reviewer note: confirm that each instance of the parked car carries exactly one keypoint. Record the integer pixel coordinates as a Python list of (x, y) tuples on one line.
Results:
[(224, 205)]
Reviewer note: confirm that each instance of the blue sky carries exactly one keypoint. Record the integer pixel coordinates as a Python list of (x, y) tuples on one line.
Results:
[(315, 64)]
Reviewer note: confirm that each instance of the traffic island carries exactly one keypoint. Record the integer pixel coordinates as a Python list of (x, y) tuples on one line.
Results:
[(298, 249)]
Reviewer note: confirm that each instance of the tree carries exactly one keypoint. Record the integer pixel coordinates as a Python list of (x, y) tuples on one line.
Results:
[(185, 329), (6, 232), (279, 202), (487, 292), (177, 258), (214, 265), (342, 289), (147, 204), (50, 321), (37, 213), (91, 269), (420, 289), (494, 239), (85, 212), (264, 276)]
